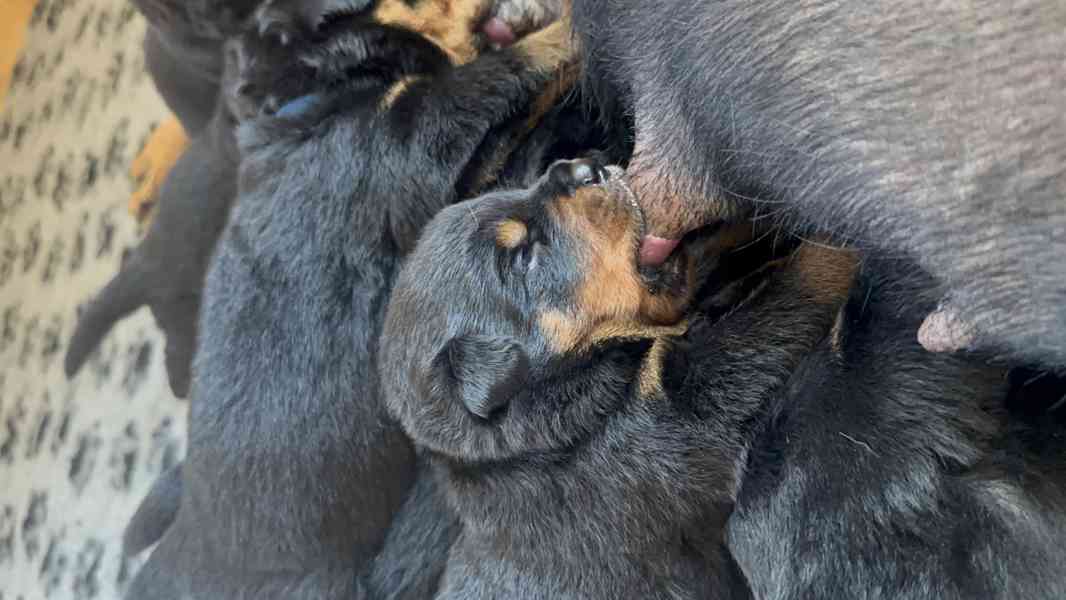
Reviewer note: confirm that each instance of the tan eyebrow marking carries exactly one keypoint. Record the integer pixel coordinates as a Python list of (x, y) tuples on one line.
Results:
[(511, 233)]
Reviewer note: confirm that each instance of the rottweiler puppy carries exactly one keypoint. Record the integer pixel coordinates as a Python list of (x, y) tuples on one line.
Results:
[(166, 270), (931, 132), (586, 433), (366, 123), (183, 45)]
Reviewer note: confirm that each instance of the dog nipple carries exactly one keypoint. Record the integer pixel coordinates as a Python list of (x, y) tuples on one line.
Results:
[(943, 331)]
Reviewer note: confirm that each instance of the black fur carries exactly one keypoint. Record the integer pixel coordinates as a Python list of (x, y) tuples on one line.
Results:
[(886, 471), (183, 52), (571, 481), (166, 270), (155, 515), (294, 471), (928, 132)]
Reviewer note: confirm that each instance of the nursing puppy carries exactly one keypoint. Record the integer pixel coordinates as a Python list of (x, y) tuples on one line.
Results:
[(365, 129), (167, 269), (932, 132), (586, 435)]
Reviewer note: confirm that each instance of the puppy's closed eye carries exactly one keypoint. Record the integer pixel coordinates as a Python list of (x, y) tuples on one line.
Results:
[(528, 256), (523, 245)]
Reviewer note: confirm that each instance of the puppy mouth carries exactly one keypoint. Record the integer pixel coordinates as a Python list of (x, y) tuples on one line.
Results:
[(669, 276), (613, 178)]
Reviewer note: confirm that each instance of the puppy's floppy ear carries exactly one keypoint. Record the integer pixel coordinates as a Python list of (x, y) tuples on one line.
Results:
[(484, 372)]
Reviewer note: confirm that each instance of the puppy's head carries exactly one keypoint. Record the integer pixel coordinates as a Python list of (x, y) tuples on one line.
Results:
[(289, 53), (522, 317)]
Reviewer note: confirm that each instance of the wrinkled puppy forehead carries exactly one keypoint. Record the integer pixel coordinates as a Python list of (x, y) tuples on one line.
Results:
[(451, 274), (498, 258), (546, 265)]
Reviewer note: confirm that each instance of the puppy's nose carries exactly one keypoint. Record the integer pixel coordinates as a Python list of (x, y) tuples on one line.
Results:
[(578, 173)]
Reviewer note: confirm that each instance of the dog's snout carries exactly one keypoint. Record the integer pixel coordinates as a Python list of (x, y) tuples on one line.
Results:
[(579, 173)]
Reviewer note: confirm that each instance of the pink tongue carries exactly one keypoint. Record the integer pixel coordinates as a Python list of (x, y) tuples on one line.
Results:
[(654, 250), (498, 32)]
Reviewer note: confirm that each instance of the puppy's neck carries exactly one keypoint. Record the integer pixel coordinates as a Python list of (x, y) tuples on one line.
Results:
[(650, 376)]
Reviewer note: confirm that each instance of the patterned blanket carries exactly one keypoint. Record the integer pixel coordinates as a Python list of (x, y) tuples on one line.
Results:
[(75, 457)]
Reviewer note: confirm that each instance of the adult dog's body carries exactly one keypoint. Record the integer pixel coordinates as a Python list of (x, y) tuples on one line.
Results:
[(932, 131)]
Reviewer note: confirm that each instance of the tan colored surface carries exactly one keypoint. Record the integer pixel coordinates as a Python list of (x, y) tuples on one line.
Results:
[(151, 166), (14, 17), (75, 457)]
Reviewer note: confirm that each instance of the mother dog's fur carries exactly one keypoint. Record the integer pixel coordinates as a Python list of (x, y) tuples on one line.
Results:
[(931, 131)]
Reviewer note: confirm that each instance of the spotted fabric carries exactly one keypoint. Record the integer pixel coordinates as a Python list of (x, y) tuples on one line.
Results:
[(76, 457)]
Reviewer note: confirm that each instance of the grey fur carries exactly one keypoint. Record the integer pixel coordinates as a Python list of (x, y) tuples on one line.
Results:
[(931, 131), (294, 471), (579, 486)]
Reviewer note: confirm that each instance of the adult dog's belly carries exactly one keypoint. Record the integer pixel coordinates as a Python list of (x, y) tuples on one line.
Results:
[(933, 131)]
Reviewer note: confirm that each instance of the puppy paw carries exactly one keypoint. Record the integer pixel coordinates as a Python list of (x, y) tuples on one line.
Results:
[(150, 168), (551, 49), (267, 70)]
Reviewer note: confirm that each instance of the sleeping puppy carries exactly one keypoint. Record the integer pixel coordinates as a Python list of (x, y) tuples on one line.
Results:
[(166, 270), (530, 357), (927, 131), (365, 127), (877, 470)]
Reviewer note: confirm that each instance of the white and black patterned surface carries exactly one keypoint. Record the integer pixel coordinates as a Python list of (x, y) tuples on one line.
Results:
[(75, 457)]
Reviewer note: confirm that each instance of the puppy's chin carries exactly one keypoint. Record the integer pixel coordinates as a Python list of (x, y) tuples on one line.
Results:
[(672, 278)]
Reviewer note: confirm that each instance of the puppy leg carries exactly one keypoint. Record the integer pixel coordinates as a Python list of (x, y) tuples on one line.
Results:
[(155, 514), (187, 78), (120, 297), (166, 271), (757, 347)]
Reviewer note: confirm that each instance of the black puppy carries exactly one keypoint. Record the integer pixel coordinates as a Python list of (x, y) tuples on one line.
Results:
[(525, 352), (932, 132), (166, 270), (366, 128)]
